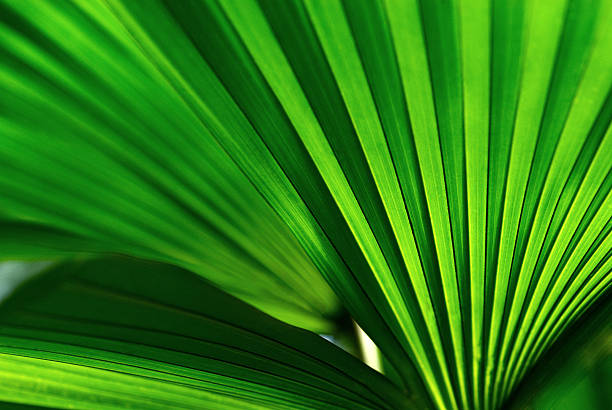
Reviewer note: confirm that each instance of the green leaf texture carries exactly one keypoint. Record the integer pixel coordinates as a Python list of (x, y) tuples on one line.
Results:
[(120, 333), (445, 166), (99, 154), (582, 363)]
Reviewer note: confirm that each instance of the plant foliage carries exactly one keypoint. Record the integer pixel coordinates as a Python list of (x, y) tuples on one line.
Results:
[(438, 170)]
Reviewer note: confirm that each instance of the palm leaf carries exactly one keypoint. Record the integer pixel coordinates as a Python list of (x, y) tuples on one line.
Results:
[(155, 189), (445, 167), (582, 363), (118, 333)]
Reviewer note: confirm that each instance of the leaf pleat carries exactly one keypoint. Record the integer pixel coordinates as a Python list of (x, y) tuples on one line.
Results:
[(444, 169), (126, 332)]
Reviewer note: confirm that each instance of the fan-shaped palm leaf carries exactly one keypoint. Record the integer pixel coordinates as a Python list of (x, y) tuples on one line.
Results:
[(445, 167)]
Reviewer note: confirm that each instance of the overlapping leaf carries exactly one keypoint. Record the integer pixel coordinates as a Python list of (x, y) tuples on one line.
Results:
[(118, 333)]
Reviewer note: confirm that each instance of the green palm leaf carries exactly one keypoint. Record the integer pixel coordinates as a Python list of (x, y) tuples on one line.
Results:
[(443, 168), (582, 363), (114, 333), (156, 189)]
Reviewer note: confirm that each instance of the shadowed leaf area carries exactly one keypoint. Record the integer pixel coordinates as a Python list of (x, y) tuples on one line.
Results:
[(438, 172), (110, 333)]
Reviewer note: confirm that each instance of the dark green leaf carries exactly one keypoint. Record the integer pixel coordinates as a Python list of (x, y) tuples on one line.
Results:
[(120, 333)]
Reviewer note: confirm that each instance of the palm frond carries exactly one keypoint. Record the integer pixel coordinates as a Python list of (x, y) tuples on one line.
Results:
[(445, 167), (117, 332)]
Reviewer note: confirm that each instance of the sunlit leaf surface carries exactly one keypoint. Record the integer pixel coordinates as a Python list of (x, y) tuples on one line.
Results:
[(443, 167)]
